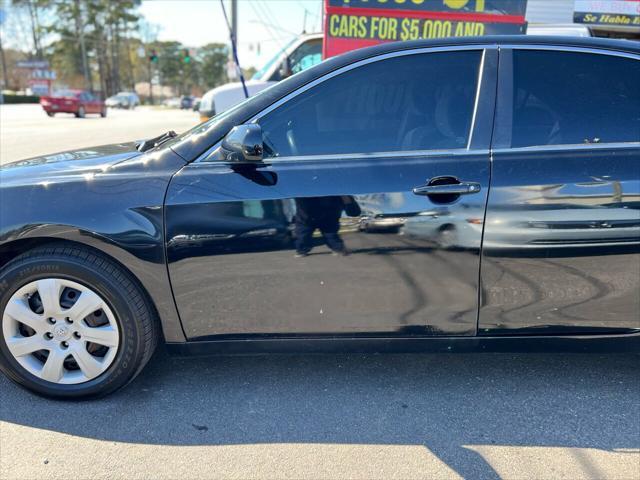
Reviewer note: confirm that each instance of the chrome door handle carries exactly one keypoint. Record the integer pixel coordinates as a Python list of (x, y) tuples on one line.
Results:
[(463, 188)]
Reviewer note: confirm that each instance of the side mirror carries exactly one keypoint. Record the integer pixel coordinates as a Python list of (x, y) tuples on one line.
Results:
[(285, 69), (243, 144)]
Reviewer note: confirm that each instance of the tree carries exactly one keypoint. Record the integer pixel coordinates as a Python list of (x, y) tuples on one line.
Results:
[(213, 58), (80, 27), (109, 20), (95, 44), (33, 8), (69, 53), (94, 34), (170, 64), (3, 64)]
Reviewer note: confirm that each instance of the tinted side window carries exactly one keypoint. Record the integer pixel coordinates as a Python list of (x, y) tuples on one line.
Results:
[(412, 102), (570, 98)]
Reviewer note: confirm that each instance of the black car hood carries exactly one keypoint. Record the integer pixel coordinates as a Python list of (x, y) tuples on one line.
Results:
[(74, 161), (89, 164)]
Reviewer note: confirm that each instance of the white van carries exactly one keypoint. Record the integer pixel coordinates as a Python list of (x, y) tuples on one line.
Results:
[(301, 53)]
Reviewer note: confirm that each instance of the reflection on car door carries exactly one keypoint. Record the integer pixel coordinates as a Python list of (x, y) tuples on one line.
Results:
[(328, 237), (562, 234)]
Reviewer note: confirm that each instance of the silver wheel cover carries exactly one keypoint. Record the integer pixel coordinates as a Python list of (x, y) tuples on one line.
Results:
[(65, 348)]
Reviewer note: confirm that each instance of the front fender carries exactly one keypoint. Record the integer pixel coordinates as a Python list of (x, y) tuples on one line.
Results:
[(118, 212)]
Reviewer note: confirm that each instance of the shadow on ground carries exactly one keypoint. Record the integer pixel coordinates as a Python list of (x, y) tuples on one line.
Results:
[(440, 401)]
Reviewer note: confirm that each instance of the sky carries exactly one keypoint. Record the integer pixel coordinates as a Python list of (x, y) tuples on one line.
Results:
[(264, 26)]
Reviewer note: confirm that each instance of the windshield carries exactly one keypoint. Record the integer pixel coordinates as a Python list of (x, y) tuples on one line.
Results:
[(267, 66)]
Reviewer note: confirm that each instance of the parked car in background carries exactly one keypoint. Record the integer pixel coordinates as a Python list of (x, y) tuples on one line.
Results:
[(174, 102), (196, 104), (78, 102), (186, 102), (301, 53), (190, 238), (128, 100)]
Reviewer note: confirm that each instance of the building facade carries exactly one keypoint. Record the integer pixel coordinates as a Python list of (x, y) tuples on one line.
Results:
[(604, 18)]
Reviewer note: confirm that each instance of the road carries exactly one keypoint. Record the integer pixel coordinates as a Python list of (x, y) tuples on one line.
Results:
[(317, 417), (339, 416), (25, 130)]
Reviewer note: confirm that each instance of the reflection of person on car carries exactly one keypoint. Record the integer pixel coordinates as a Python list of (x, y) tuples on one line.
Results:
[(322, 213)]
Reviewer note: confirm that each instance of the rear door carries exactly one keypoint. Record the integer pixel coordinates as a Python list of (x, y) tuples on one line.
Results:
[(562, 232), (366, 217)]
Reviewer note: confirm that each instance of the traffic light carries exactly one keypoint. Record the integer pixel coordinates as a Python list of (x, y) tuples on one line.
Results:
[(186, 56), (153, 57)]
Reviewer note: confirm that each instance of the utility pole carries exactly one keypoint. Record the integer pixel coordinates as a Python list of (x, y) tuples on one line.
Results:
[(234, 20), (233, 29), (233, 35)]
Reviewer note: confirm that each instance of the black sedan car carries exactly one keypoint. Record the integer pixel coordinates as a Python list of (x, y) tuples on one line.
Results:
[(242, 235)]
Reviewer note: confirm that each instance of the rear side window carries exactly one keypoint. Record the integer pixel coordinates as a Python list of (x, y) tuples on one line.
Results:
[(411, 102), (572, 98)]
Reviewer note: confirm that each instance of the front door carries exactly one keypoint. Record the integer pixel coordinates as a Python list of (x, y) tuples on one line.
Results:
[(561, 247), (366, 217), (90, 103)]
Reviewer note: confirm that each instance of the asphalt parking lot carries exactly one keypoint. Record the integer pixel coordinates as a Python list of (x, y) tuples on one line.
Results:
[(488, 416), (340, 416), (26, 131)]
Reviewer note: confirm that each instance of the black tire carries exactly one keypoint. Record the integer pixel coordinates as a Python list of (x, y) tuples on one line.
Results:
[(135, 316), (81, 113), (103, 112), (49, 114)]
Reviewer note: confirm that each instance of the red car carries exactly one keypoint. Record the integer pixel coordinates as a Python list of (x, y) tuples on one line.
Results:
[(77, 102)]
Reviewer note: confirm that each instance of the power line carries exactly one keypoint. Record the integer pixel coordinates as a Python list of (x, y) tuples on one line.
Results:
[(270, 17), (274, 37), (267, 24)]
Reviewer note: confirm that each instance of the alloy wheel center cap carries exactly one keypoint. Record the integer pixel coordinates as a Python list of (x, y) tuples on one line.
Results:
[(61, 332)]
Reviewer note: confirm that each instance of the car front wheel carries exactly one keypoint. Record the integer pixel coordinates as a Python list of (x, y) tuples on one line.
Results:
[(74, 323)]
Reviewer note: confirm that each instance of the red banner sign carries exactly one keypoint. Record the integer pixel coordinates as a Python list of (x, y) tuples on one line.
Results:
[(351, 24)]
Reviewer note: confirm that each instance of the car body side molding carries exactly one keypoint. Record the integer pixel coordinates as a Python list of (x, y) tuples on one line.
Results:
[(250, 345)]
